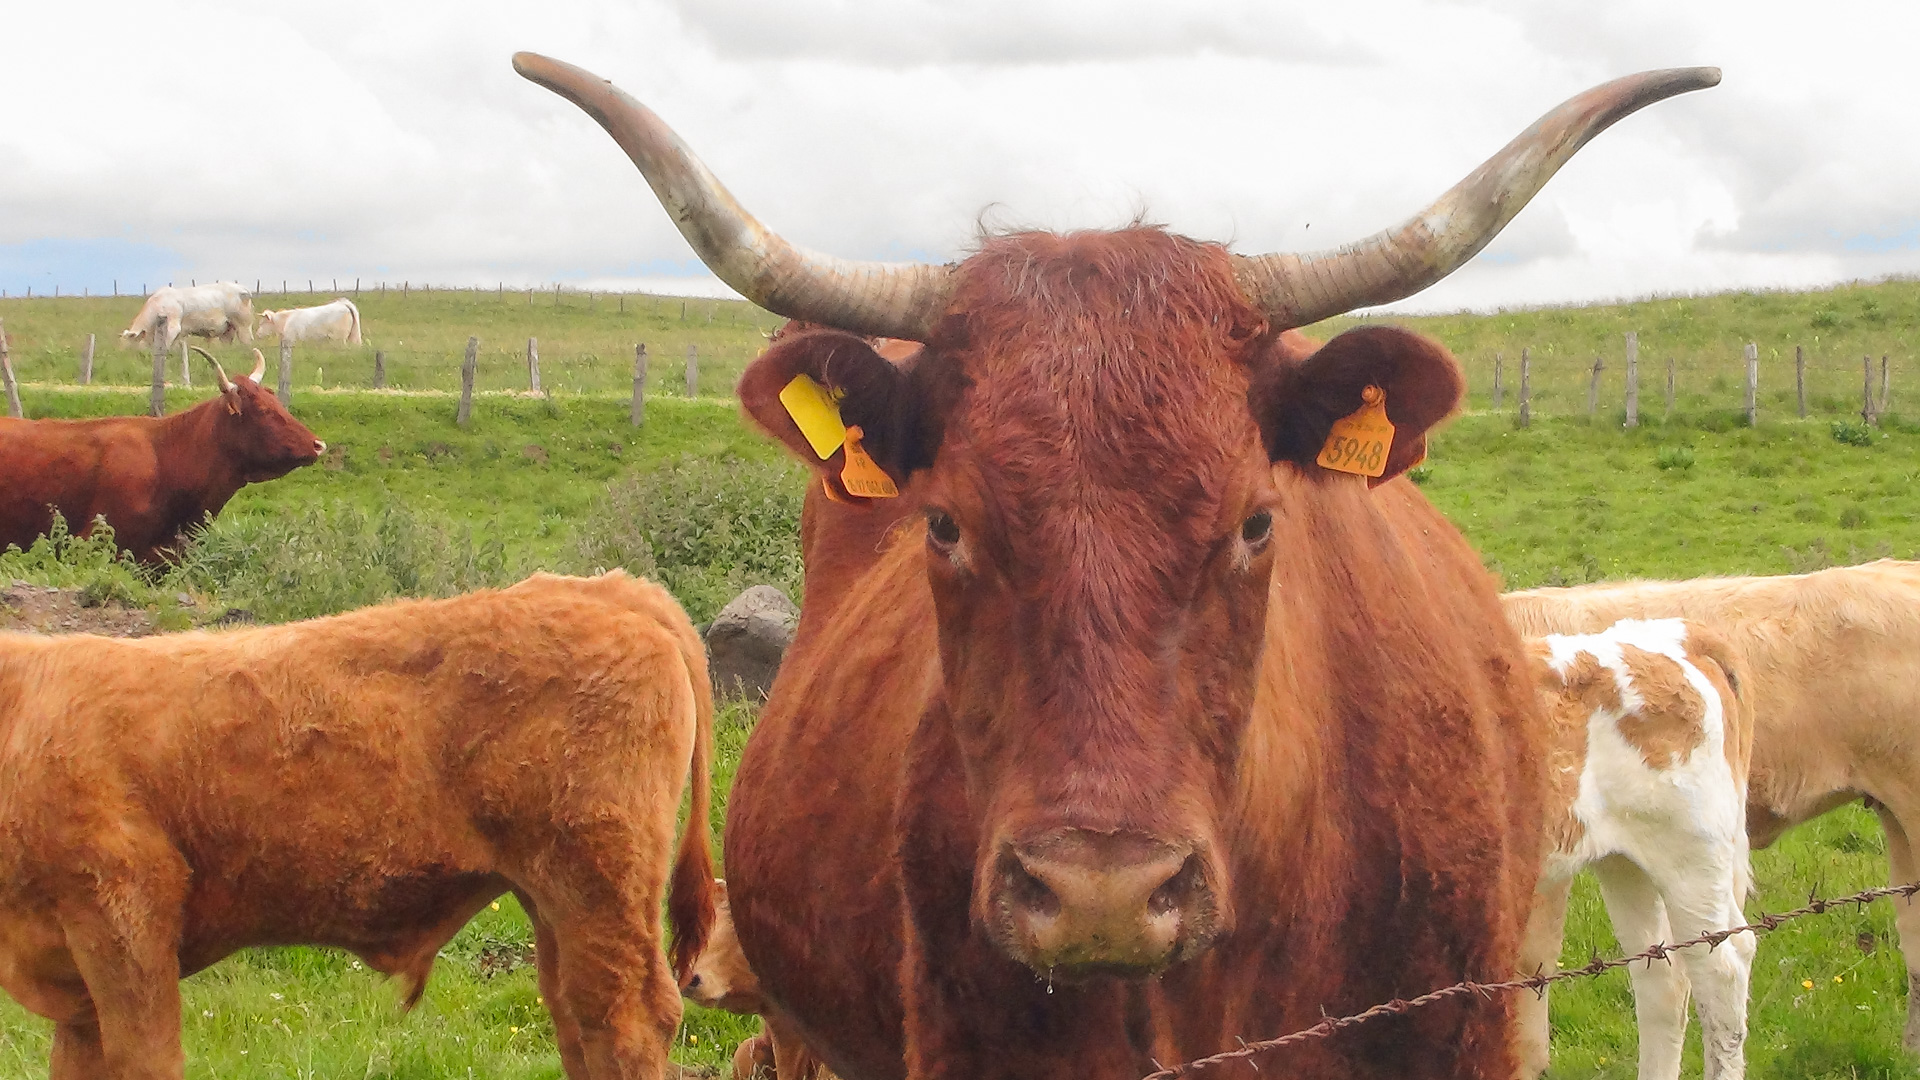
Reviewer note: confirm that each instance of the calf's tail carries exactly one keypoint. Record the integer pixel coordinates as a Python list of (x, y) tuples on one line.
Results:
[(353, 331), (1738, 717), (690, 899)]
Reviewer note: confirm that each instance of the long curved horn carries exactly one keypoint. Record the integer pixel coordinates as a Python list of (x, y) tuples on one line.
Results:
[(259, 367), (226, 384), (900, 300), (1295, 290)]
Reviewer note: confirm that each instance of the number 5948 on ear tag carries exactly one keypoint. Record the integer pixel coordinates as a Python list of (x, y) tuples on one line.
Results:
[(1359, 442)]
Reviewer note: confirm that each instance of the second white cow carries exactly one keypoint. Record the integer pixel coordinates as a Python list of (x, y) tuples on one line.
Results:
[(337, 321), (1647, 766)]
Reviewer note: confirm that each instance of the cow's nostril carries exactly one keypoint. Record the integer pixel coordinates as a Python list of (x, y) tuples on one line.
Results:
[(1024, 890), (1180, 890)]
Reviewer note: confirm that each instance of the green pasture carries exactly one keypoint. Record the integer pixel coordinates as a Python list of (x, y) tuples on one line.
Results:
[(586, 340), (410, 503)]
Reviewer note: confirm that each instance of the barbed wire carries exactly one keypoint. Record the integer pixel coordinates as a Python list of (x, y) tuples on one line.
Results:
[(1537, 983)]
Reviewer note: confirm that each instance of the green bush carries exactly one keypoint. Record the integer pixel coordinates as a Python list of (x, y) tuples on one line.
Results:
[(93, 564), (704, 528), (332, 557), (1852, 432), (1674, 457)]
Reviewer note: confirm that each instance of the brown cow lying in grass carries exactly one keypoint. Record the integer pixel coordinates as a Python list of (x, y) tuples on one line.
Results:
[(367, 781), (722, 979)]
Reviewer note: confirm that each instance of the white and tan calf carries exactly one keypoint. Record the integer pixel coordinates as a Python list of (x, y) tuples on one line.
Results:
[(1650, 737)]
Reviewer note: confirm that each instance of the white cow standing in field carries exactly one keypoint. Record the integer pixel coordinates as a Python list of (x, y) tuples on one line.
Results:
[(1650, 735), (1833, 659), (222, 309), (337, 321)]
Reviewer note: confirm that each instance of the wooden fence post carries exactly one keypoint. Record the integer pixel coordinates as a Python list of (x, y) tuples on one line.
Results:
[(637, 415), (1866, 393), (379, 369), (286, 370), (467, 369), (6, 373), (157, 400), (186, 370), (693, 371), (533, 365), (1800, 378), (1593, 389), (1886, 378), (86, 363), (1633, 378), (1499, 390), (1753, 384), (1669, 386), (1526, 388)]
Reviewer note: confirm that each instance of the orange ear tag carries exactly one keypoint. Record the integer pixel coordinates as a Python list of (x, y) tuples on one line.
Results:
[(861, 475), (1358, 443)]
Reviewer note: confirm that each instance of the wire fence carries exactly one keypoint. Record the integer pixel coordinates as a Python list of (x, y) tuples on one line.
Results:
[(1537, 983)]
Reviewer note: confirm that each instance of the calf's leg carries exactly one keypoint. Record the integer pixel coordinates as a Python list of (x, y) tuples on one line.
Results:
[(1659, 988), (612, 975), (77, 1054), (132, 972), (1540, 952), (1698, 885), (546, 958), (1906, 913)]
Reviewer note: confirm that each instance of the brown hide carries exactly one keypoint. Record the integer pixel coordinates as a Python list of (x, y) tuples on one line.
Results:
[(1099, 637), (152, 479), (367, 781)]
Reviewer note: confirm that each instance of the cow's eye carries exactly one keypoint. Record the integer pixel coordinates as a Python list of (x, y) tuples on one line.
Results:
[(1257, 528), (941, 530)]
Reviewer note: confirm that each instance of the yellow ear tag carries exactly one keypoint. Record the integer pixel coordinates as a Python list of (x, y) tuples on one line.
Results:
[(816, 412), (1359, 442), (862, 476)]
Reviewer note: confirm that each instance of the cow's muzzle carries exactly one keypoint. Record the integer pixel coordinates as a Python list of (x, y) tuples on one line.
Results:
[(1079, 903)]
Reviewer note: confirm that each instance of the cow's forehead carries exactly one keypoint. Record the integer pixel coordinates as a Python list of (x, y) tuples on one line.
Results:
[(1104, 376)]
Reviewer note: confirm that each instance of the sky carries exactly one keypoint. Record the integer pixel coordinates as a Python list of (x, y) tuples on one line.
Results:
[(175, 140)]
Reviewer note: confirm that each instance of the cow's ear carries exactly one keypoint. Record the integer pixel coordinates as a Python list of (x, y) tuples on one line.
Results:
[(895, 406), (1297, 401)]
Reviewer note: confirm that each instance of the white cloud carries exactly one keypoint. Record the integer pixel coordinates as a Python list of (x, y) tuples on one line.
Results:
[(393, 140)]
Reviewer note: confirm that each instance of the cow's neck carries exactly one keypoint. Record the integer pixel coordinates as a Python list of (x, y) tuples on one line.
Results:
[(190, 452)]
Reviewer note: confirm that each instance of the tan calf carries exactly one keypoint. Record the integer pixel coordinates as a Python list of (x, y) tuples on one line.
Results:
[(1647, 765), (367, 781), (721, 979)]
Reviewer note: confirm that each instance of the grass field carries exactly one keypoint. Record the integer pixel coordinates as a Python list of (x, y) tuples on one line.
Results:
[(413, 503)]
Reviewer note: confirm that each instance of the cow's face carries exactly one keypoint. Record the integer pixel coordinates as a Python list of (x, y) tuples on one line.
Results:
[(265, 323), (260, 438), (1096, 427)]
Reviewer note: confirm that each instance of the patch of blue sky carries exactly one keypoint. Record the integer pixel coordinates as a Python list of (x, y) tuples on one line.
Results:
[(95, 265)]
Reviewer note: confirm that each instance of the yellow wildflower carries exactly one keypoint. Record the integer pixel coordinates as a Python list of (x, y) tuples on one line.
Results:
[(1837, 978), (495, 905), (1806, 984)]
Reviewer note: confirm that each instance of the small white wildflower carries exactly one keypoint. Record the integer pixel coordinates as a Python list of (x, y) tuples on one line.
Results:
[(276, 997)]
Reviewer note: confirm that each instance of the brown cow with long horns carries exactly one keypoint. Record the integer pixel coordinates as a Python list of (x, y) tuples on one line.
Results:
[(1160, 733), (152, 479)]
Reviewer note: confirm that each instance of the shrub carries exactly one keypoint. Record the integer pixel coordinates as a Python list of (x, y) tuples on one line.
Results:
[(704, 528), (94, 564), (1855, 517), (1674, 457), (1420, 473), (331, 558), (1852, 432)]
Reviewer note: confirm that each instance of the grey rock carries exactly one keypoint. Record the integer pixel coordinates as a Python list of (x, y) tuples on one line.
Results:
[(746, 641)]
